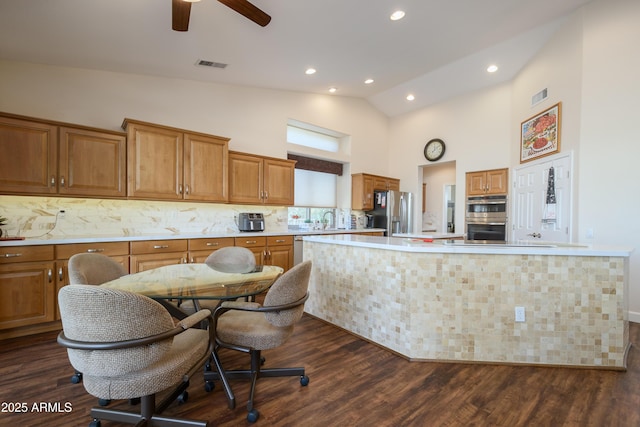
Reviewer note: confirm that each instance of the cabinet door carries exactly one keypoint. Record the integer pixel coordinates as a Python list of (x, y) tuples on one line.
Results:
[(361, 192), (149, 261), (279, 182), (92, 163), (257, 245), (476, 183), (26, 294), (28, 163), (380, 183), (200, 249), (394, 184), (245, 178), (280, 251), (205, 168), (497, 181), (154, 162)]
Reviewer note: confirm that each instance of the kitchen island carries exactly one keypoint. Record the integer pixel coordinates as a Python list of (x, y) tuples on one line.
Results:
[(451, 301)]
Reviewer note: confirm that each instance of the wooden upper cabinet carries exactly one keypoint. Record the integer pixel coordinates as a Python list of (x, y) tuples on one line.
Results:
[(260, 180), (363, 185), (206, 168), (92, 163), (56, 158), (28, 163), (361, 192), (172, 164), (488, 182)]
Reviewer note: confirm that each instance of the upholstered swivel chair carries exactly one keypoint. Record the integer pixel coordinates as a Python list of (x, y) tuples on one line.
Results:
[(92, 269), (230, 259), (250, 327), (127, 346)]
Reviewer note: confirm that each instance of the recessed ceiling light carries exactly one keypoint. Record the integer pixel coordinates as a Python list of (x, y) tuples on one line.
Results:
[(397, 15), (368, 81), (310, 71), (492, 68), (410, 97), (333, 89)]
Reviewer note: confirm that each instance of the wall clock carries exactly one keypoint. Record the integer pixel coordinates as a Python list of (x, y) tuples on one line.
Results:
[(434, 150)]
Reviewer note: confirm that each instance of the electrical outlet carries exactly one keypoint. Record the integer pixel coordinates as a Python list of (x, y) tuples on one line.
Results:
[(61, 213), (520, 314)]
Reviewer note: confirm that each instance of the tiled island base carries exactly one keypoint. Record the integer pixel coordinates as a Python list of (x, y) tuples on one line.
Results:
[(460, 306)]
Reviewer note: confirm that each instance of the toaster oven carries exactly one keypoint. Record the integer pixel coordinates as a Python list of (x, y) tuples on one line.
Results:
[(251, 222)]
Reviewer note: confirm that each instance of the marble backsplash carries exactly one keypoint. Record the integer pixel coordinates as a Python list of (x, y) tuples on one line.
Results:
[(34, 217)]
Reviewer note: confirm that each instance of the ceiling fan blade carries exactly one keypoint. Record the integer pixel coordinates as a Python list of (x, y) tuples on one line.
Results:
[(181, 10), (246, 9)]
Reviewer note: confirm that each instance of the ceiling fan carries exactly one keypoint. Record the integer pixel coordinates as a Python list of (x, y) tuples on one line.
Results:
[(182, 9)]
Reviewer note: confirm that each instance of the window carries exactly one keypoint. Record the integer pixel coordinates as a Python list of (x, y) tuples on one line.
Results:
[(306, 135)]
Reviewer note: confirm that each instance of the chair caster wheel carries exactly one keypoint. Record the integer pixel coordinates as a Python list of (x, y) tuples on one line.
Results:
[(209, 386), (304, 380), (253, 416), (183, 397), (104, 402), (94, 423), (76, 378)]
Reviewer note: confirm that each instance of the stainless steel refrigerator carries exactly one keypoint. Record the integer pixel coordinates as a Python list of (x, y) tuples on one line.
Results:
[(393, 211)]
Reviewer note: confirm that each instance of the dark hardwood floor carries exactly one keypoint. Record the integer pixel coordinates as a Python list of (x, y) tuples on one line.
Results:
[(353, 383)]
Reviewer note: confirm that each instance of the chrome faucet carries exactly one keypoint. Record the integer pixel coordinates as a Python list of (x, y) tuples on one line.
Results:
[(332, 223)]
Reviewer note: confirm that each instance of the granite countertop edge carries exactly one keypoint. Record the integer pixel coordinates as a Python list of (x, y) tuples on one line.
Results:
[(57, 240)]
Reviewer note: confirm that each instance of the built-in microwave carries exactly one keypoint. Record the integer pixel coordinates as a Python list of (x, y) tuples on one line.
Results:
[(486, 218)]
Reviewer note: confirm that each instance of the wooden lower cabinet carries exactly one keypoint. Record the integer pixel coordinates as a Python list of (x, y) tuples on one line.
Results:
[(149, 254), (27, 290), (269, 250), (200, 249)]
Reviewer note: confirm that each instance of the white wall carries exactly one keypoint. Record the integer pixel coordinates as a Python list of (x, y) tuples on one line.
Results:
[(476, 130), (610, 138), (254, 119)]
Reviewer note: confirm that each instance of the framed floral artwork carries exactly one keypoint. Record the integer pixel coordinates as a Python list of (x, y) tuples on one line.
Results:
[(540, 134)]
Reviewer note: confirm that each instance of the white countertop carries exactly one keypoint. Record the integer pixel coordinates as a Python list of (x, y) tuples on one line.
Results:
[(406, 244), (429, 235), (57, 240)]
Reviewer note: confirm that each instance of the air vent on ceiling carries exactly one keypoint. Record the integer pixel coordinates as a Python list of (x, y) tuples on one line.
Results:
[(539, 97), (213, 64)]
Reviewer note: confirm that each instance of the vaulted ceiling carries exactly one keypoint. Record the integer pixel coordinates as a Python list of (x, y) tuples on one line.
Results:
[(441, 48)]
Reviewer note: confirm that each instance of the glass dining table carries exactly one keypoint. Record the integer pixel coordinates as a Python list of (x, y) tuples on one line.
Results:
[(172, 284), (196, 282)]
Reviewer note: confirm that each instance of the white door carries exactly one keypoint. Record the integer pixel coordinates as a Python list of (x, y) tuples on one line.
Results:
[(533, 217)]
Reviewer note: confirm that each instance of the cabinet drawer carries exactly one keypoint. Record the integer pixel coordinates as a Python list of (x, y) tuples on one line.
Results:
[(10, 254), (210, 244), (279, 240), (105, 248), (250, 242), (158, 246)]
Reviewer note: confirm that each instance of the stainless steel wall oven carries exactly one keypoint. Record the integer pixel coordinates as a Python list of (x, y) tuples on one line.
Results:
[(486, 218)]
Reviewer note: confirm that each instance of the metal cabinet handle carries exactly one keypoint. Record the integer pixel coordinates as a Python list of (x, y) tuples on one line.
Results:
[(12, 255), (60, 275), (91, 251), (280, 240), (50, 275), (251, 242), (180, 189), (186, 189), (62, 181), (53, 181), (160, 246), (213, 244)]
